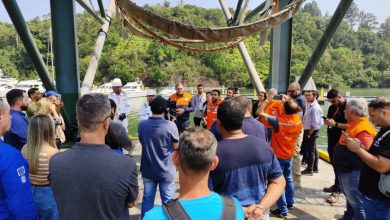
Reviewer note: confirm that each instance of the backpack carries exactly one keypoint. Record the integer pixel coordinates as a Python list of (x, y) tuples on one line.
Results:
[(175, 211)]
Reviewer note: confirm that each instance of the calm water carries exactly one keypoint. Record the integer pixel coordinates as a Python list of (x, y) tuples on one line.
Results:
[(322, 141)]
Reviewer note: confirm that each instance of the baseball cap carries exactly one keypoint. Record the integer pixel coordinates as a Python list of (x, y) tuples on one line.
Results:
[(52, 93), (158, 105)]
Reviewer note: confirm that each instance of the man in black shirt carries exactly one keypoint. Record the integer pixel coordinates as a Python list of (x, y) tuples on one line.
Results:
[(336, 123), (376, 161)]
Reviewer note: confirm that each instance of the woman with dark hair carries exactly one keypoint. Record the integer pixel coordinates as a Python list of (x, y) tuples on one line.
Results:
[(40, 147)]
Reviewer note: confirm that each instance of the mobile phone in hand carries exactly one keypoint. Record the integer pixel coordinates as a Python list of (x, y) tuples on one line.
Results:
[(323, 117)]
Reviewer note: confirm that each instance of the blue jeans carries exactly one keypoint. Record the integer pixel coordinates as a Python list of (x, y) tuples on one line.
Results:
[(376, 209), (46, 205), (349, 182), (287, 197), (167, 192)]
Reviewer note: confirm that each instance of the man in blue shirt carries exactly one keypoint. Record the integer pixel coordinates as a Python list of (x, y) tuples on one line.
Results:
[(17, 134), (16, 201), (248, 168), (158, 138), (194, 158)]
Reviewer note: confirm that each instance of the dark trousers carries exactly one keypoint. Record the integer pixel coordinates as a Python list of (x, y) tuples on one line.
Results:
[(332, 142), (309, 145), (182, 124), (197, 121)]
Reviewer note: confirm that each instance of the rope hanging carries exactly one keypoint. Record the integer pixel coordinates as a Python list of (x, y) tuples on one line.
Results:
[(206, 34)]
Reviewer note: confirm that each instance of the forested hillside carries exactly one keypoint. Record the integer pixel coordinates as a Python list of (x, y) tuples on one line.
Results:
[(358, 56)]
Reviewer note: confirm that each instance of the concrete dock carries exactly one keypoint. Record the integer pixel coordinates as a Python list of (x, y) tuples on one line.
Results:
[(309, 204)]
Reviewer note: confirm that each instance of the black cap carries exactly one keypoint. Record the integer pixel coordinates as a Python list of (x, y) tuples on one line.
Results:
[(158, 105)]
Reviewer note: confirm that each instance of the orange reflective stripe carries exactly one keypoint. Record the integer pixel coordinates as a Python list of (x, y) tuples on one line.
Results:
[(184, 100), (357, 126), (283, 141)]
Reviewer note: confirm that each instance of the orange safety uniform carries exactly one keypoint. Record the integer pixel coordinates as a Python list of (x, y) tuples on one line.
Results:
[(272, 108), (283, 140), (355, 127), (182, 102), (211, 112)]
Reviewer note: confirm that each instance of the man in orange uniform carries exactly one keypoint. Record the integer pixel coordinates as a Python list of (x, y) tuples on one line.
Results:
[(212, 108), (346, 163), (286, 128), (272, 107), (184, 105)]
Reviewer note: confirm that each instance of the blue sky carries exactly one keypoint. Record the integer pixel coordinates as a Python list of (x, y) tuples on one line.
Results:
[(34, 8)]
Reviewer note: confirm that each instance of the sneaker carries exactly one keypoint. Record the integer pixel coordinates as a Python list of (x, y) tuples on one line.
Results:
[(329, 189), (333, 198), (307, 172), (316, 171), (278, 213), (290, 207)]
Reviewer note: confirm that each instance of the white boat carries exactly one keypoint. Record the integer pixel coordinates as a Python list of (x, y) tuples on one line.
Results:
[(8, 80), (28, 84), (104, 89), (134, 89), (4, 88), (168, 91)]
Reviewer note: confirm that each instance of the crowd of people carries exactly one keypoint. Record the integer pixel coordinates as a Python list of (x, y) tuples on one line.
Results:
[(237, 160)]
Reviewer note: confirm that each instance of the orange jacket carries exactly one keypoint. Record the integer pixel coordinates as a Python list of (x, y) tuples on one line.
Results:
[(273, 108), (357, 126), (283, 141), (184, 100), (211, 112)]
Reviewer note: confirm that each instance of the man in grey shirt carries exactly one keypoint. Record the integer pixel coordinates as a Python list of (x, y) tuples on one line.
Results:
[(199, 100), (90, 181)]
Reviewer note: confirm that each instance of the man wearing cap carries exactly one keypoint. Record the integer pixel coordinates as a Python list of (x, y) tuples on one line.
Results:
[(121, 101), (159, 138), (145, 111)]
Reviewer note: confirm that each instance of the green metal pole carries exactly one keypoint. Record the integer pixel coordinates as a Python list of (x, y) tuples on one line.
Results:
[(101, 8), (237, 12), (63, 22), (281, 54), (87, 6), (28, 42), (329, 32), (254, 12)]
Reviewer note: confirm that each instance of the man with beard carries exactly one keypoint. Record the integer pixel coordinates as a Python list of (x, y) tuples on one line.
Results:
[(17, 134), (212, 108)]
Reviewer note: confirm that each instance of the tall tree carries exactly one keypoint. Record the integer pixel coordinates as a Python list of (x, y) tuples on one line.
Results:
[(368, 21), (352, 16), (312, 8), (384, 30)]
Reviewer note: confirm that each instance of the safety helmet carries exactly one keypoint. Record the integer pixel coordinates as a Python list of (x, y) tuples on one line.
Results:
[(116, 82)]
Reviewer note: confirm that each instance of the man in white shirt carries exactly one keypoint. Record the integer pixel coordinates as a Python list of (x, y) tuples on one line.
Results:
[(199, 100), (121, 101), (145, 111), (312, 123)]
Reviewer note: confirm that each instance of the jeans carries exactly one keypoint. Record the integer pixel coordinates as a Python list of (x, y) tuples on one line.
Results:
[(46, 205), (376, 209), (287, 197), (349, 182), (167, 192)]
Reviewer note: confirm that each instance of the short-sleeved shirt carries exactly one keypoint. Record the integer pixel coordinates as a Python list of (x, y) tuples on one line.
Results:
[(17, 134), (245, 167), (369, 178), (157, 136), (16, 200), (117, 137), (90, 181), (208, 207)]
